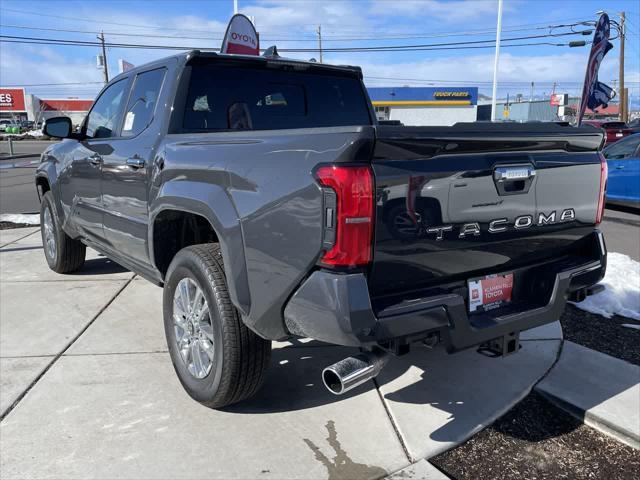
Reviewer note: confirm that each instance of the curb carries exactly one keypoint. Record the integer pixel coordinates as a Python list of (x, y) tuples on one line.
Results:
[(607, 402), (610, 429)]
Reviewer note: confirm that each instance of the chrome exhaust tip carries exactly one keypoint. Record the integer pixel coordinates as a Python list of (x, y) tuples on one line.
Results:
[(350, 372)]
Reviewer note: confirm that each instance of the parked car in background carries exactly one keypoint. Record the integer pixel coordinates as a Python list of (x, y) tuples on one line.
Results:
[(4, 124), (614, 130), (27, 125), (634, 125), (623, 160)]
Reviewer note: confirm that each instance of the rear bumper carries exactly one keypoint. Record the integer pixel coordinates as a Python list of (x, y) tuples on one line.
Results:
[(336, 308)]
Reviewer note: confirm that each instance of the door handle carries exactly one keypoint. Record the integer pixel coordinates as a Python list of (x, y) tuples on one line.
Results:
[(620, 167), (95, 159), (135, 162)]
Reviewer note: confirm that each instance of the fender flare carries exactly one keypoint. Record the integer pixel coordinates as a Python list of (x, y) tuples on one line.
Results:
[(197, 198)]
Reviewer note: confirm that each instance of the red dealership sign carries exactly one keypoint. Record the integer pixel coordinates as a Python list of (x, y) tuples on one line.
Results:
[(241, 37), (12, 100)]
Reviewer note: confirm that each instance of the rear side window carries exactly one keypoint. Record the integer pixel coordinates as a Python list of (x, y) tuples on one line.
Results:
[(614, 125), (224, 98), (142, 102)]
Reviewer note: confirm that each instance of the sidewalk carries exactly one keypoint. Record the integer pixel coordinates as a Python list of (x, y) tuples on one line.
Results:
[(88, 391), (602, 391)]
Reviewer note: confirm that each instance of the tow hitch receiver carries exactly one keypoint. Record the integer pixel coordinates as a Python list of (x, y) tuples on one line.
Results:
[(502, 346)]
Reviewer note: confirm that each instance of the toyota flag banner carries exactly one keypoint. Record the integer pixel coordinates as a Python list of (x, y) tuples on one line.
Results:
[(241, 37), (596, 94)]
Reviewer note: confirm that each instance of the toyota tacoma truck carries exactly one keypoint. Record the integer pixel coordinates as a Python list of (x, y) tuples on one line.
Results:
[(263, 196)]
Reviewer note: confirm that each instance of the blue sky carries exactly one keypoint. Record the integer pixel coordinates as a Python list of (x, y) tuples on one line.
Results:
[(292, 23)]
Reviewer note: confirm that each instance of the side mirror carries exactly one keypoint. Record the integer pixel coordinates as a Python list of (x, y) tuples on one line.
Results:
[(58, 127)]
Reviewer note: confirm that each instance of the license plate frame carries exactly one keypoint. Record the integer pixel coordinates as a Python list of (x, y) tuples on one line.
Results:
[(490, 292)]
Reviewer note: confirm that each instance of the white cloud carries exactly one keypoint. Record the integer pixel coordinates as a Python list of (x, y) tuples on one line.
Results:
[(453, 11), (25, 64), (564, 67)]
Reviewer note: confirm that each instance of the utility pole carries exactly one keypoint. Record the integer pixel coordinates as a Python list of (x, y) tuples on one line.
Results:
[(555, 84), (623, 97), (104, 58), (319, 32), (495, 63)]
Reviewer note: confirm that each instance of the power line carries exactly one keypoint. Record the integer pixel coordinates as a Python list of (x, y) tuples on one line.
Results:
[(379, 48), (534, 26), (297, 39)]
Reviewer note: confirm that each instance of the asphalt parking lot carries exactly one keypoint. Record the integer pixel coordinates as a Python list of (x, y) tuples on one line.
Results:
[(88, 391)]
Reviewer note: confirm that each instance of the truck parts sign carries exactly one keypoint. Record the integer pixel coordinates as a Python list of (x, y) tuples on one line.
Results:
[(12, 100)]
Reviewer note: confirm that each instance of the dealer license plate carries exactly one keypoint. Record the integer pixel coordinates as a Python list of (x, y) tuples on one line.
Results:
[(618, 134), (490, 292)]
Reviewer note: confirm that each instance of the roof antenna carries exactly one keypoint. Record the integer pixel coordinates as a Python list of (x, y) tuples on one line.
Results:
[(272, 51)]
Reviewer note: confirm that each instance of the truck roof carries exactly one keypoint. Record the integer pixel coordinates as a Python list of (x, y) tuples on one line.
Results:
[(194, 55)]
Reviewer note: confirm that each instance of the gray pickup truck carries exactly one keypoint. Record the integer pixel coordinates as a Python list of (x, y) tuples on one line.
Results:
[(264, 197)]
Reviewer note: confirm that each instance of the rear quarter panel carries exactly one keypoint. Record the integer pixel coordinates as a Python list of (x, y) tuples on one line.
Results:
[(258, 189)]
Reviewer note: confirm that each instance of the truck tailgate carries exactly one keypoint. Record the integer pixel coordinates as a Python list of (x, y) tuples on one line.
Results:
[(457, 202)]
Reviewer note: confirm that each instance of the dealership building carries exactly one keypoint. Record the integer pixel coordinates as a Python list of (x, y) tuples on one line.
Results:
[(17, 105), (425, 105)]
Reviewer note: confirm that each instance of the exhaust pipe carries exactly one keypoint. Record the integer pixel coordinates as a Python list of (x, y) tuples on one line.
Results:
[(353, 371)]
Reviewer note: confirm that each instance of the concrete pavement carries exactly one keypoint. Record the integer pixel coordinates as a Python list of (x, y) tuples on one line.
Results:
[(601, 390), (88, 390)]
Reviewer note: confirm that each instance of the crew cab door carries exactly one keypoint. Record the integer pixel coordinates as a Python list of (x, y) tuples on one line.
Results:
[(126, 170), (82, 190)]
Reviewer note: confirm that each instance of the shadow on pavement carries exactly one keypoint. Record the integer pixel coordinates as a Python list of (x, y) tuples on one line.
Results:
[(99, 266), (294, 381)]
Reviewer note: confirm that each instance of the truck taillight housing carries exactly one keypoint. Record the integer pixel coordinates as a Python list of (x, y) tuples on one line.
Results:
[(604, 173), (353, 216)]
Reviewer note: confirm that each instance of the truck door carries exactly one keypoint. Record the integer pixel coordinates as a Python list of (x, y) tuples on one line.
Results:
[(126, 170), (84, 189)]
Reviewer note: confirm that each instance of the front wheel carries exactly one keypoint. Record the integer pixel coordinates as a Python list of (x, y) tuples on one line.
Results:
[(218, 360), (63, 253)]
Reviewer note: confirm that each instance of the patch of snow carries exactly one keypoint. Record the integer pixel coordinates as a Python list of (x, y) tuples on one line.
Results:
[(631, 325), (34, 133), (33, 219), (621, 294)]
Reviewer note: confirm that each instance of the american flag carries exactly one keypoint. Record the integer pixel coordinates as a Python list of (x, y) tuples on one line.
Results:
[(596, 94)]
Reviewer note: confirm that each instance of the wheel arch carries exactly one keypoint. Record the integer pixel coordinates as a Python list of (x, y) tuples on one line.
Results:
[(191, 203)]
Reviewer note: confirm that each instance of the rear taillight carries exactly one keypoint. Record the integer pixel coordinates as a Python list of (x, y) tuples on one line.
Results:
[(353, 218), (604, 173)]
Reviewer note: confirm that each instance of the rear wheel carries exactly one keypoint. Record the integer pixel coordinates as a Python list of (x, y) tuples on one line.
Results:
[(218, 360), (63, 253)]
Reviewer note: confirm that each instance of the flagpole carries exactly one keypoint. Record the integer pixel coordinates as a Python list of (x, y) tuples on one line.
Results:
[(235, 6), (495, 63)]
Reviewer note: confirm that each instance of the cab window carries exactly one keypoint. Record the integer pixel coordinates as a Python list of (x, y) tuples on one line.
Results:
[(103, 118), (142, 102)]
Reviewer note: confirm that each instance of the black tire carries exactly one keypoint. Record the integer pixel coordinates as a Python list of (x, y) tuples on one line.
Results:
[(68, 254), (240, 356)]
